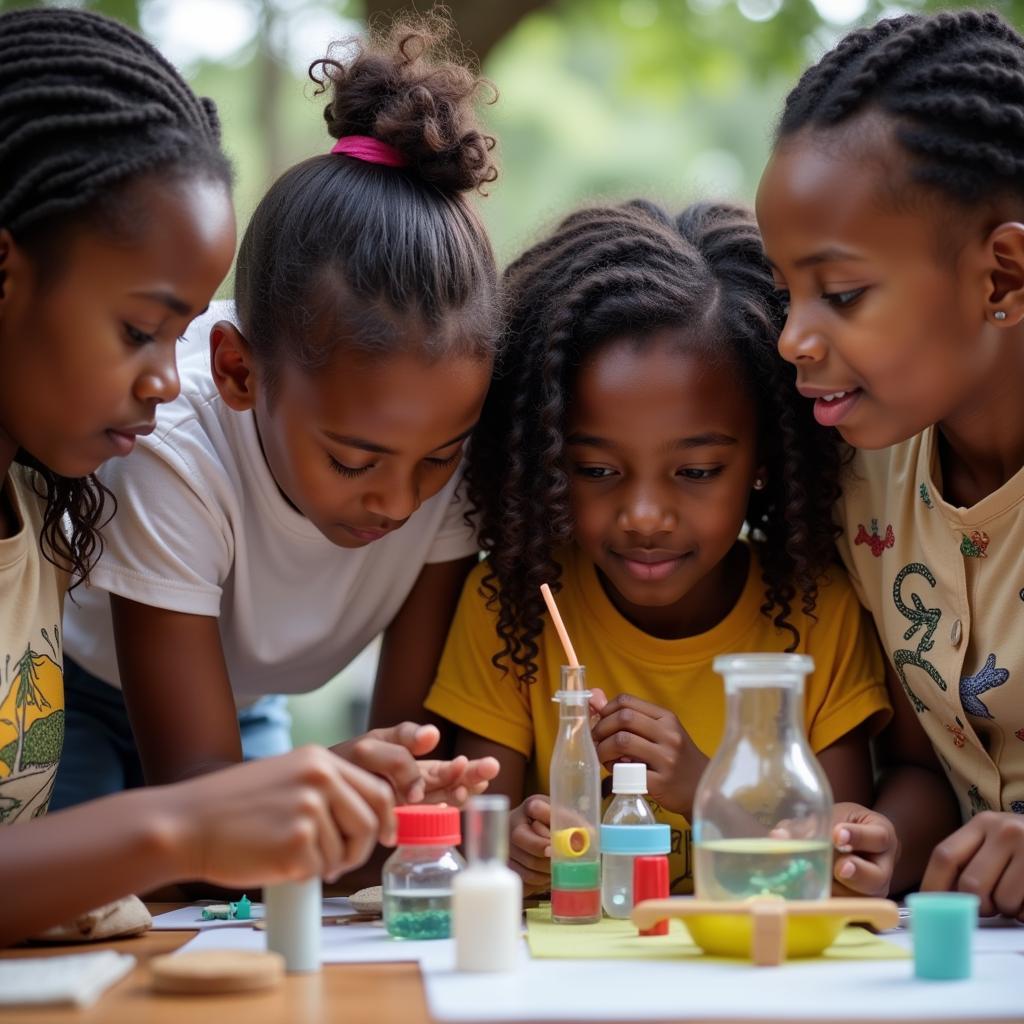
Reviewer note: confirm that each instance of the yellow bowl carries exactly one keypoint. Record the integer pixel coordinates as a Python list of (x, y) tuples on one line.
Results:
[(766, 929)]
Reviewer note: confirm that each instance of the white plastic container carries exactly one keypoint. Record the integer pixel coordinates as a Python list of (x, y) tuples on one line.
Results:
[(628, 807), (487, 898), (293, 923)]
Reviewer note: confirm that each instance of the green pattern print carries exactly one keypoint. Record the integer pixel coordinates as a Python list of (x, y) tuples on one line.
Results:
[(920, 618)]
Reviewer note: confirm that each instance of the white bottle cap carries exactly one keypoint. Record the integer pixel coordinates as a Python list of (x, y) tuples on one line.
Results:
[(629, 778)]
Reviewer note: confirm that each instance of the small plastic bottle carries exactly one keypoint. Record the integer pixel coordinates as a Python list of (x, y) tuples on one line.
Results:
[(628, 807), (293, 912), (417, 877), (487, 898)]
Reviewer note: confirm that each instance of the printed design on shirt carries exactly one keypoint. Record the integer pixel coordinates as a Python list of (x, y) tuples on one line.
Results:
[(1020, 735), (681, 846), (31, 727), (920, 618), (972, 687), (874, 540), (925, 496), (959, 739), (974, 544), (1017, 806), (978, 802)]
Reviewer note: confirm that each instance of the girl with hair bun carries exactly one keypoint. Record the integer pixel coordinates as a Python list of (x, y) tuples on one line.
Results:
[(301, 496)]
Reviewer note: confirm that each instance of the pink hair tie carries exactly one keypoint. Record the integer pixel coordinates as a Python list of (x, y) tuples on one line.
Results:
[(369, 149)]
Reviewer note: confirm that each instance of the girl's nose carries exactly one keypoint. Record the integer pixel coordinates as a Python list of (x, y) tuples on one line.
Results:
[(647, 514), (800, 341), (396, 500), (158, 381)]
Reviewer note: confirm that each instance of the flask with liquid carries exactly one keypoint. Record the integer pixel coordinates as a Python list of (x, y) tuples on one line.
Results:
[(762, 813), (575, 807), (487, 898), (628, 808)]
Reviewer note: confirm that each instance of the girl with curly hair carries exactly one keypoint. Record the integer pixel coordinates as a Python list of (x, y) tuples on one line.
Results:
[(300, 495), (639, 418)]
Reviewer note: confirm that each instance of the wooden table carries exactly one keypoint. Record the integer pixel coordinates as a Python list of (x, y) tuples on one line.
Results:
[(353, 993)]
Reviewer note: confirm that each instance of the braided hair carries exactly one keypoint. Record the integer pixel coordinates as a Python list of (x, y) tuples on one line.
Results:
[(632, 270), (953, 82), (86, 106)]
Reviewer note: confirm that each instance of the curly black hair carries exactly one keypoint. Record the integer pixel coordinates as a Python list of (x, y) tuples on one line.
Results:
[(609, 272), (86, 107), (954, 85)]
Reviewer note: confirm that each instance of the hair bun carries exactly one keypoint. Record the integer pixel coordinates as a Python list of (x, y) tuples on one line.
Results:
[(410, 87)]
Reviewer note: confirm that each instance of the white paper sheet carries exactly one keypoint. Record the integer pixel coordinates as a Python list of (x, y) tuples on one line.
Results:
[(340, 944), (191, 917), (576, 990)]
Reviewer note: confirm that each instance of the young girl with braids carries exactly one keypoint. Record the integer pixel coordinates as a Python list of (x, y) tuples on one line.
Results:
[(300, 496), (893, 214), (639, 418), (115, 228)]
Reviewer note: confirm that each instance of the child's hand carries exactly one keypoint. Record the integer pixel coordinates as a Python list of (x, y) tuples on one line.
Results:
[(631, 729), (303, 814), (986, 857), (529, 843), (392, 753), (867, 849)]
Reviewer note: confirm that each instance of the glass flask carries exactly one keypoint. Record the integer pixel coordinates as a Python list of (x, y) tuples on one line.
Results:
[(575, 807), (762, 813)]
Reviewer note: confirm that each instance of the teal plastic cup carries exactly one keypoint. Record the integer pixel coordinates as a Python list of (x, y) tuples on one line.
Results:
[(942, 924)]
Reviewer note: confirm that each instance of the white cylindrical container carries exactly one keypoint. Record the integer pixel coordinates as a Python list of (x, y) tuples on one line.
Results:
[(293, 923), (487, 898)]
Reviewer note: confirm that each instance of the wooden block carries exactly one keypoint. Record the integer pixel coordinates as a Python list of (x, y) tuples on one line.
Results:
[(215, 971)]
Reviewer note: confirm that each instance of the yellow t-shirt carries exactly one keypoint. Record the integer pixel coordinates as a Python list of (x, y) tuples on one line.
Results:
[(845, 689), (31, 666), (944, 587)]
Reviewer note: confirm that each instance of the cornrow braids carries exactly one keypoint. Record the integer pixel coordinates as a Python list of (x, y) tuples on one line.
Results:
[(953, 82), (631, 270), (86, 106)]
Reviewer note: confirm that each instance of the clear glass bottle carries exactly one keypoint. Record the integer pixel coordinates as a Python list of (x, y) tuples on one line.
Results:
[(575, 807), (417, 877), (487, 898), (762, 813), (628, 807)]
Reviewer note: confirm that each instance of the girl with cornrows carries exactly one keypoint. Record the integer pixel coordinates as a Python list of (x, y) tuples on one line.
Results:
[(300, 496), (640, 417), (893, 214), (115, 228)]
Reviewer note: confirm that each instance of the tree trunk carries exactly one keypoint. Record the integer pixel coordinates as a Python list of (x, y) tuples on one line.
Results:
[(481, 23)]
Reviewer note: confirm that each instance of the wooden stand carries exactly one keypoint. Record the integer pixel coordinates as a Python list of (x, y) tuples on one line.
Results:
[(767, 929)]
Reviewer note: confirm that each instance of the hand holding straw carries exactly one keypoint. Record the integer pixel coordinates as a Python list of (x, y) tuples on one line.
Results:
[(549, 600)]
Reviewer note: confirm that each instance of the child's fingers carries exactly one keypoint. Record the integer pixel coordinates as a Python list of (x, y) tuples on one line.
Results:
[(527, 843), (1009, 894), (950, 856), (982, 873), (538, 809), (598, 699), (478, 773), (541, 829), (627, 702), (862, 837), (861, 876), (533, 880), (637, 748)]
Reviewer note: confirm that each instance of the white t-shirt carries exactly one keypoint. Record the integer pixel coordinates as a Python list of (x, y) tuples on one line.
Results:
[(201, 527)]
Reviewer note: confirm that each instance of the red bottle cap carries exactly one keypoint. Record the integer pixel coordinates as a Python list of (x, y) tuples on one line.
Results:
[(426, 825), (650, 882)]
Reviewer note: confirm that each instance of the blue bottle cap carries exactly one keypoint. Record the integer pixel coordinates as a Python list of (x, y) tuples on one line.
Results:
[(636, 840)]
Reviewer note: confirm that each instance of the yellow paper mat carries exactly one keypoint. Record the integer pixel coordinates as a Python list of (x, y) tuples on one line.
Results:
[(612, 939)]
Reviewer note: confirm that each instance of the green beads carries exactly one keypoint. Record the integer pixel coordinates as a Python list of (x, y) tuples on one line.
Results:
[(566, 874)]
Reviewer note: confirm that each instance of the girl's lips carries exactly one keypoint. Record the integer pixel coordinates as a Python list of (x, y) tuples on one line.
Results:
[(123, 442), (651, 571), (366, 536), (832, 412)]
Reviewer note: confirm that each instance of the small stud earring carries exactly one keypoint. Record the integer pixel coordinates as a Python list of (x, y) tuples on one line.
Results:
[(759, 484), (999, 314)]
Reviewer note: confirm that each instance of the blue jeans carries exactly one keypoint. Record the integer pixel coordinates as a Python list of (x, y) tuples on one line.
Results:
[(99, 755)]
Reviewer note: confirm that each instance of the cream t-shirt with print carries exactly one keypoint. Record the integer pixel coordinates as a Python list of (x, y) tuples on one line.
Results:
[(945, 586), (31, 667)]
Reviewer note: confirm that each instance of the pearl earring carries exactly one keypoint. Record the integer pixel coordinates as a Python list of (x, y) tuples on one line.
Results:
[(759, 484), (999, 314)]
